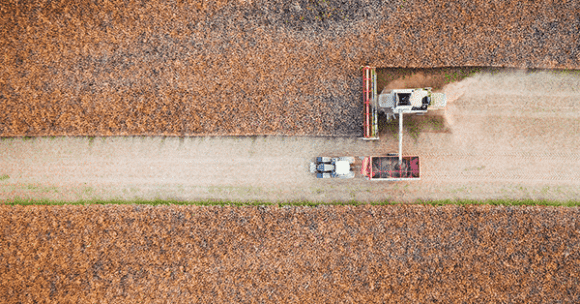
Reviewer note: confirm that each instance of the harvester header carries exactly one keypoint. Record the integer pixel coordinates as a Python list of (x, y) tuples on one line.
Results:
[(371, 127)]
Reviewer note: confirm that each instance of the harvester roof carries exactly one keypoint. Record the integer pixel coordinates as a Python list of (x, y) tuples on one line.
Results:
[(417, 97)]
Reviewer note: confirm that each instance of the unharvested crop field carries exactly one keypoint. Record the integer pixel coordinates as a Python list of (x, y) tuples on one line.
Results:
[(341, 254), (247, 67)]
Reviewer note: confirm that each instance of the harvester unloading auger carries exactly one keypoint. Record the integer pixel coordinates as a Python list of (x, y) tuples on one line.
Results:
[(393, 103)]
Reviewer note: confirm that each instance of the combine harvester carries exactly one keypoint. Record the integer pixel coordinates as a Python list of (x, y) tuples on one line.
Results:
[(393, 103)]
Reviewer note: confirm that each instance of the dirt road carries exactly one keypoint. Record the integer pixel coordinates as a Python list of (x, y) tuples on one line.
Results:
[(508, 135)]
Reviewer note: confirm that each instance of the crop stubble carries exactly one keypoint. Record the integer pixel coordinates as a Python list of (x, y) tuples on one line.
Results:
[(369, 254), (246, 67)]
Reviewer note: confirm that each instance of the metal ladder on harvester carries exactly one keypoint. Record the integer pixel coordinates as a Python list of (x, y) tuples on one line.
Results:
[(370, 103)]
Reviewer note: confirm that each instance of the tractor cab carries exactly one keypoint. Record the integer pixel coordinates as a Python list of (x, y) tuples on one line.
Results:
[(336, 167)]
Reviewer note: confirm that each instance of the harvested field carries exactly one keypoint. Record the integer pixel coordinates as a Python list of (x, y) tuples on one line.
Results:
[(247, 67), (144, 254)]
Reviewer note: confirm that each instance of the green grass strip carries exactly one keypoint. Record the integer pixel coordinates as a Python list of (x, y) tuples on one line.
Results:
[(162, 202)]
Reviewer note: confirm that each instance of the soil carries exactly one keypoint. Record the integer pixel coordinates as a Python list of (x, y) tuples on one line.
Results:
[(256, 67), (512, 135), (341, 254)]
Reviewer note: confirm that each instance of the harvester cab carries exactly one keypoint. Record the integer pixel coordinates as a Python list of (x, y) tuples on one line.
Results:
[(405, 101)]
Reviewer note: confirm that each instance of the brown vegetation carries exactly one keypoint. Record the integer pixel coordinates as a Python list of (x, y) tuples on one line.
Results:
[(370, 254), (246, 67)]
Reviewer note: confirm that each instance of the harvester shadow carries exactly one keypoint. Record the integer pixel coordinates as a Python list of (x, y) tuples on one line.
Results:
[(413, 125)]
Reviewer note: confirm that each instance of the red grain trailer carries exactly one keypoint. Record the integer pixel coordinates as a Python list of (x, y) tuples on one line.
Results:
[(387, 168)]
